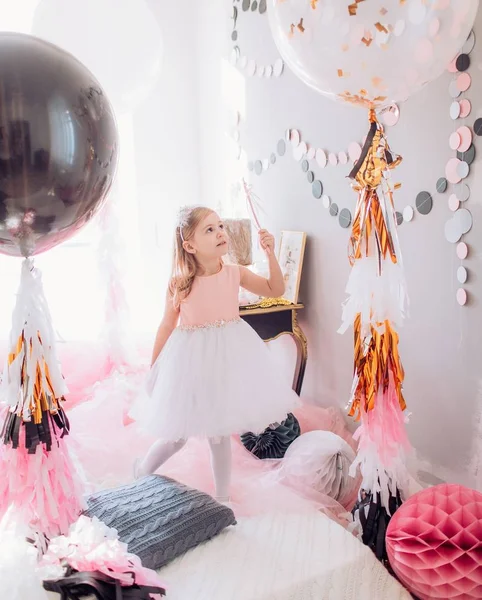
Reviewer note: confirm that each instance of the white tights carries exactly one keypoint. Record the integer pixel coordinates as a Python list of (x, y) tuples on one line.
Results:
[(162, 451)]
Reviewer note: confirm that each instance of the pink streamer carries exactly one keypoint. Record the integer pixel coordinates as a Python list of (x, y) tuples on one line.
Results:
[(92, 546), (44, 487)]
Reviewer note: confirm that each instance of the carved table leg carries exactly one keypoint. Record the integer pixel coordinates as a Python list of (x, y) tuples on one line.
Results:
[(302, 353)]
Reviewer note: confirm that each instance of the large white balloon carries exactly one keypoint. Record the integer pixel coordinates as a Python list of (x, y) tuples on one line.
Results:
[(370, 53), (119, 41)]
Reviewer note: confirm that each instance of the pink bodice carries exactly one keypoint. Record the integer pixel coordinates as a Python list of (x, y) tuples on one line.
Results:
[(212, 299)]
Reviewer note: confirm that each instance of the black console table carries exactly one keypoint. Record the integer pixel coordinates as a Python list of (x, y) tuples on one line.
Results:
[(275, 321)]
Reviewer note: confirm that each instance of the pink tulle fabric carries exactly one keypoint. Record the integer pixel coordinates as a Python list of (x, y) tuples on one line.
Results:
[(106, 439), (45, 487), (84, 364), (92, 546), (313, 418), (107, 445), (256, 487)]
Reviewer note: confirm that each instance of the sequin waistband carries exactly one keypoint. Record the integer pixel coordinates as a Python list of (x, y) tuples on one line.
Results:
[(214, 324)]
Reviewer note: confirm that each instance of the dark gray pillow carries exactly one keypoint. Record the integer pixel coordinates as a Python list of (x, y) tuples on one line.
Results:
[(159, 518)]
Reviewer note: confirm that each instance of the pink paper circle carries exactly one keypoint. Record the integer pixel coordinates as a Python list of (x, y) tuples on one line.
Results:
[(464, 81), (391, 116), (295, 137), (454, 203), (461, 296), (354, 151), (451, 170), (452, 68), (455, 140), (465, 108), (342, 158), (465, 138), (442, 4), (462, 250), (321, 157), (424, 51), (333, 159), (455, 29)]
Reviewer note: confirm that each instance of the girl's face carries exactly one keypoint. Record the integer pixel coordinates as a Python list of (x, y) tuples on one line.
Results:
[(210, 239)]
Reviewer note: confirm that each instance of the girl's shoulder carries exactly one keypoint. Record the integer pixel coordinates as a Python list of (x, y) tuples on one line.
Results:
[(233, 271)]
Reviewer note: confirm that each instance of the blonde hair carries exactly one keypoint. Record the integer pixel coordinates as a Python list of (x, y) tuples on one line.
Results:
[(185, 265)]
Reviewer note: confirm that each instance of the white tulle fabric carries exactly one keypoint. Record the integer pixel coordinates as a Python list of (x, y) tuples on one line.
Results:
[(212, 382), (18, 562)]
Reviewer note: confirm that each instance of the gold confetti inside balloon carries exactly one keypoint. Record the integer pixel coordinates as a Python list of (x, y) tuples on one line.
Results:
[(370, 53)]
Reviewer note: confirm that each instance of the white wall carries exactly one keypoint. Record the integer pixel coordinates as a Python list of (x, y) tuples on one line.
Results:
[(159, 148), (441, 343)]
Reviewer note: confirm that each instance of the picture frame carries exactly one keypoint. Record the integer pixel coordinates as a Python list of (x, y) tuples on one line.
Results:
[(291, 255)]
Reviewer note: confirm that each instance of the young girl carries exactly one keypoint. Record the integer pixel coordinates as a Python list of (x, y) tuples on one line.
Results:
[(211, 376)]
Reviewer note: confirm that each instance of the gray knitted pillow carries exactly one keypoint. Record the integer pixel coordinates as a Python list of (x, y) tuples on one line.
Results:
[(159, 518)]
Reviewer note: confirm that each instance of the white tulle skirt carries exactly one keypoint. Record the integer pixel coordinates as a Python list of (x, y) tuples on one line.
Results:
[(213, 382)]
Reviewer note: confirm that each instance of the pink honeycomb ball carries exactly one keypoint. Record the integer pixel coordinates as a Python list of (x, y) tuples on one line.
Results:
[(434, 543)]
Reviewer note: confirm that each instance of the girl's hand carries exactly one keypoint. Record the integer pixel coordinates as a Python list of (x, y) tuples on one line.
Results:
[(266, 239)]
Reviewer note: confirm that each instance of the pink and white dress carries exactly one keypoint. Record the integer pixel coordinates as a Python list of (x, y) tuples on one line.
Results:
[(215, 376)]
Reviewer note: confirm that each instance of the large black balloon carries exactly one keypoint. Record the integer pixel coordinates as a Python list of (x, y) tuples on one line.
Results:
[(58, 145)]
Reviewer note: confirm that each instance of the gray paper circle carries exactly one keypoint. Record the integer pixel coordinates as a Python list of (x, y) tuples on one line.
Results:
[(455, 110), (310, 176), (317, 188), (478, 127), (258, 167), (463, 62), (344, 218), (254, 6), (462, 275), (454, 90), (469, 44), (234, 35), (281, 147), (399, 218), (442, 184), (424, 203), (468, 156), (250, 165), (463, 192), (463, 221), (305, 165), (246, 4), (463, 169), (272, 158), (262, 7), (333, 209), (452, 233)]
